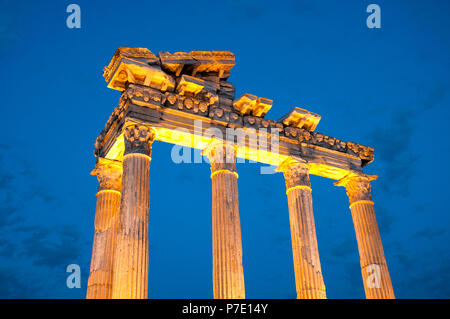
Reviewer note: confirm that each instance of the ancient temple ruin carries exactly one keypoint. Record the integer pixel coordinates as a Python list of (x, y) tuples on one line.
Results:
[(185, 99)]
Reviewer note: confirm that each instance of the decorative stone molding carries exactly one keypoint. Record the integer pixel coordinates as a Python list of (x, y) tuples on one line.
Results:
[(249, 104), (219, 62), (141, 54), (109, 174), (301, 118), (296, 173), (222, 156), (357, 186), (138, 66), (194, 83), (138, 139)]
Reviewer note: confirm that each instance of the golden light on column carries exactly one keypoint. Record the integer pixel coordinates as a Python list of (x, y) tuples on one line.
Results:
[(228, 273), (109, 174), (375, 273), (308, 273), (181, 98), (130, 277)]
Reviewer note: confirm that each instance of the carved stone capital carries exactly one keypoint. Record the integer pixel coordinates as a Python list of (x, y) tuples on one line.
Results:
[(138, 139), (296, 173), (222, 156), (109, 174), (357, 187)]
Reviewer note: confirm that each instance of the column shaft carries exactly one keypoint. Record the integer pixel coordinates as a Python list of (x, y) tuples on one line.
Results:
[(130, 277), (228, 273), (374, 270), (375, 273), (305, 251), (108, 203)]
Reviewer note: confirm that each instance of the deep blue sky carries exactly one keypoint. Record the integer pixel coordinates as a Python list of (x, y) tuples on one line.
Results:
[(387, 88)]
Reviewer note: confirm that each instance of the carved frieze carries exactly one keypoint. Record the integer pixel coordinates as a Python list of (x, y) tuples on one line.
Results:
[(145, 94), (220, 115), (235, 120), (187, 103), (304, 136), (195, 83)]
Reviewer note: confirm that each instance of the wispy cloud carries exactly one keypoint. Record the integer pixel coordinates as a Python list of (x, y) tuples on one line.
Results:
[(429, 233), (51, 247), (392, 141), (27, 249), (343, 249), (14, 285)]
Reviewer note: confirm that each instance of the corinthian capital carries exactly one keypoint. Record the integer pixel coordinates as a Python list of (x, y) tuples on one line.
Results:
[(138, 139), (109, 174), (222, 156), (357, 186), (296, 173)]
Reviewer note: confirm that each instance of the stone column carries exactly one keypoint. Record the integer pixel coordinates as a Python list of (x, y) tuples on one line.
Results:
[(308, 273), (109, 174), (228, 273), (375, 274), (130, 276)]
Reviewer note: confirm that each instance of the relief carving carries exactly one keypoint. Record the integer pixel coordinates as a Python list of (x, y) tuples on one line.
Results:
[(357, 186), (201, 88), (222, 156), (296, 173), (138, 139)]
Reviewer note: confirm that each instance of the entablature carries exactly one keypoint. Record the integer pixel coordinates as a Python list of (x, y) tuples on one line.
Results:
[(158, 92)]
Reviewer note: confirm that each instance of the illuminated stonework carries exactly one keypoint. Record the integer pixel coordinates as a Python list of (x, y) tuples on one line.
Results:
[(376, 285), (308, 273), (130, 275), (228, 273), (109, 174), (164, 98)]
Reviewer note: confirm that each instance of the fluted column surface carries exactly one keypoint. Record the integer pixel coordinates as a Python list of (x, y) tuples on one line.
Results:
[(228, 273), (308, 273), (374, 270), (130, 277), (103, 249), (371, 252), (131, 268)]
